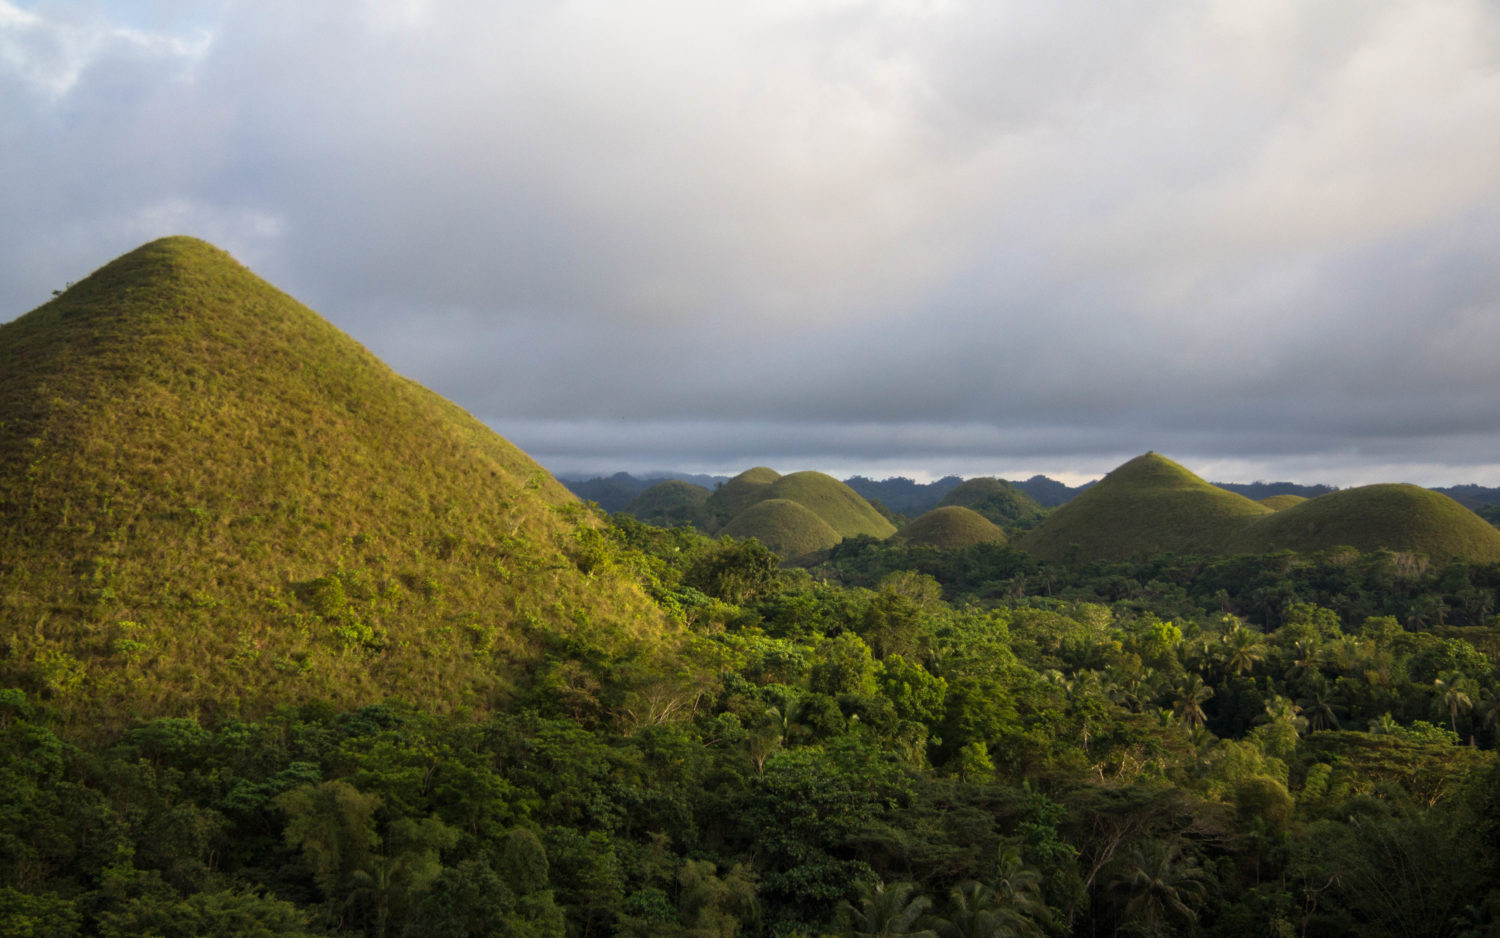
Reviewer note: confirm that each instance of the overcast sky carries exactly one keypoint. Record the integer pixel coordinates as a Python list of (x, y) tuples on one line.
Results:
[(900, 237)]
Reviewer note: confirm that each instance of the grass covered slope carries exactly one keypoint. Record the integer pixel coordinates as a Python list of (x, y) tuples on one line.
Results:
[(739, 493), (208, 492), (1148, 506), (1376, 517), (786, 527), (842, 508), (950, 526), (1278, 502), (995, 499)]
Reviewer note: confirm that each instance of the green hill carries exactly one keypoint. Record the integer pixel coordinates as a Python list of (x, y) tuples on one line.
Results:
[(950, 526), (209, 493), (841, 507), (738, 493), (997, 500), (1375, 517), (1278, 502), (670, 503), (786, 527), (1150, 505)]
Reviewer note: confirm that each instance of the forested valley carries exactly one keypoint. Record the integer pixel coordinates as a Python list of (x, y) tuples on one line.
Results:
[(891, 741)]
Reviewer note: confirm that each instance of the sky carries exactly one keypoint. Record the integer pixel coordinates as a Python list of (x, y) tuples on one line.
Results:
[(892, 237)]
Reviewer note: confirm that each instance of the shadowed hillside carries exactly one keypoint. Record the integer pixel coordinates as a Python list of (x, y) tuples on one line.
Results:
[(999, 501), (1375, 517), (950, 526), (670, 503), (1148, 506), (207, 490)]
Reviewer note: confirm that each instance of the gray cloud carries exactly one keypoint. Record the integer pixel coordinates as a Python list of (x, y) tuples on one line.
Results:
[(928, 236)]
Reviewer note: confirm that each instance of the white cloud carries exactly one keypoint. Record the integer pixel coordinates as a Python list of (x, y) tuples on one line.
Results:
[(1097, 229)]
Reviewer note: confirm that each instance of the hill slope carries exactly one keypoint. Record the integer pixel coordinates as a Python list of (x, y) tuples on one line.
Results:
[(995, 499), (738, 493), (950, 526), (1150, 505), (209, 492), (836, 503), (1375, 517), (786, 527)]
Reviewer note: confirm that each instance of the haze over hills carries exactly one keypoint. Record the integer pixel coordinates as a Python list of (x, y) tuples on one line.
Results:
[(207, 489)]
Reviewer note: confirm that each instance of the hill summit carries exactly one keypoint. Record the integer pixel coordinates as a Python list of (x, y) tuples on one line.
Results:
[(207, 490), (1150, 505)]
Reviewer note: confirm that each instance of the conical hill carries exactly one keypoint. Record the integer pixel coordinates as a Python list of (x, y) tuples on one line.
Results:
[(738, 493), (210, 496), (950, 526), (786, 527), (1376, 517), (1148, 506), (995, 499), (844, 509)]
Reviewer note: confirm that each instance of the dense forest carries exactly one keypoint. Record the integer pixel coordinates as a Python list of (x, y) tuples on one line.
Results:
[(894, 741)]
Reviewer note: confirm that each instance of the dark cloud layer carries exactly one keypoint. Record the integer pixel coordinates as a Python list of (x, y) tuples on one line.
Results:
[(900, 236)]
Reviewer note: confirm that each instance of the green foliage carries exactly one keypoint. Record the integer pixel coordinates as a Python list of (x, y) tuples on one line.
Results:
[(733, 571), (672, 502)]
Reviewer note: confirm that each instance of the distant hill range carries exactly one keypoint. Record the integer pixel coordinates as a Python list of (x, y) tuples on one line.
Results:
[(1151, 505), (899, 495), (209, 493), (908, 497), (1148, 506)]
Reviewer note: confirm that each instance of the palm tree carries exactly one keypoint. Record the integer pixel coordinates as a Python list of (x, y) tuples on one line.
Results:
[(1190, 698), (1012, 908), (1318, 706), (1283, 708), (972, 914), (1242, 649), (886, 911), (1159, 888), (1453, 689), (1018, 888)]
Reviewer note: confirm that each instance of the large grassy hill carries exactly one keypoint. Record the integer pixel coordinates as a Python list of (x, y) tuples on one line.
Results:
[(836, 503), (739, 493), (1150, 505), (786, 527), (950, 526), (1374, 517), (209, 493)]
